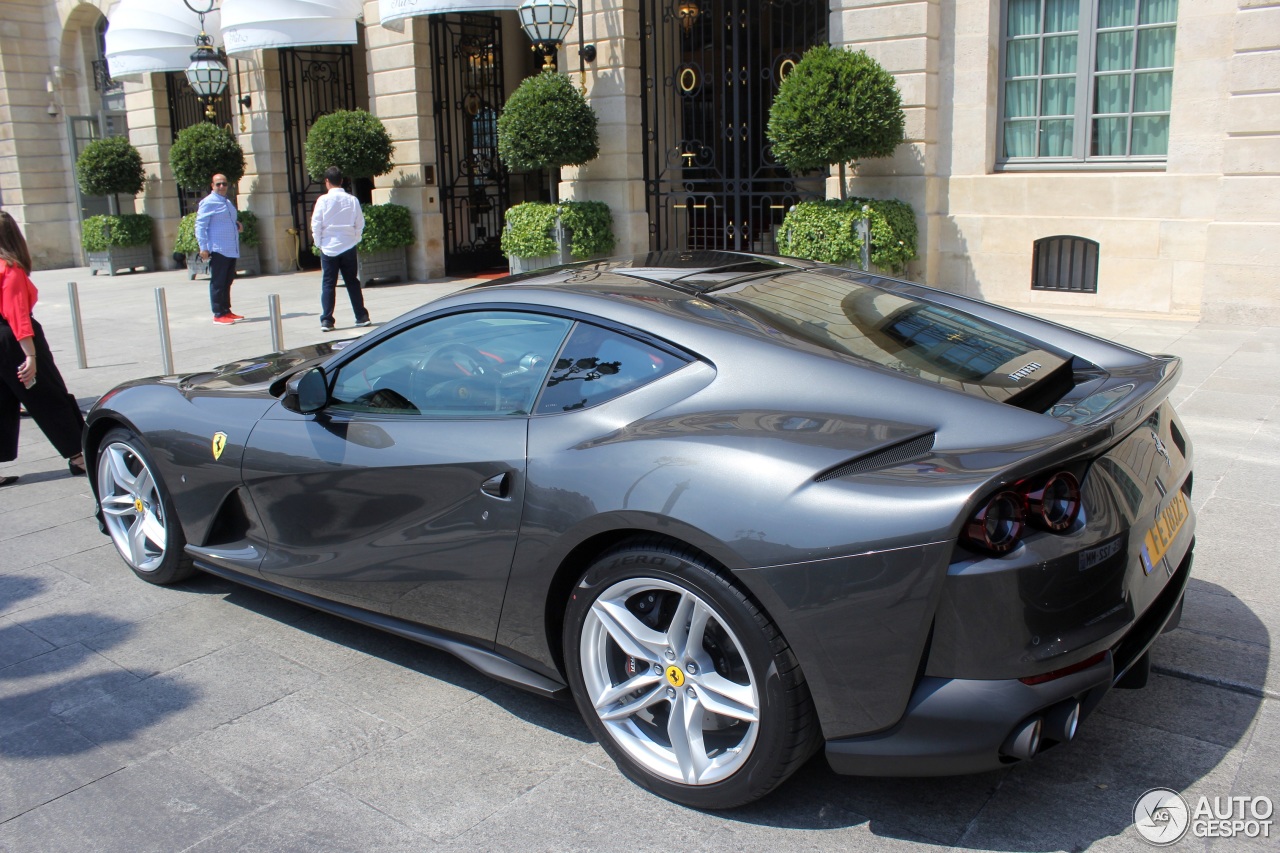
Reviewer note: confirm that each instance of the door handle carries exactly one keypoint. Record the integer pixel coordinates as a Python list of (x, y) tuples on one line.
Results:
[(498, 486)]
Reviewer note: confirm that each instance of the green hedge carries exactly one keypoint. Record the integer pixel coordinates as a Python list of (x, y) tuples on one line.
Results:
[(826, 231), (202, 151), (99, 233), (109, 166), (353, 140), (835, 106), (530, 225), (386, 226), (547, 123), (186, 240)]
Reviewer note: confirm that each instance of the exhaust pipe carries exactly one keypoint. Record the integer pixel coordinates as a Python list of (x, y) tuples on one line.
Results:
[(1024, 740), (1061, 721)]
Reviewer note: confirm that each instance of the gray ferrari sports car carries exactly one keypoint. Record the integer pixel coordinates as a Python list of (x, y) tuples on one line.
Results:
[(740, 508)]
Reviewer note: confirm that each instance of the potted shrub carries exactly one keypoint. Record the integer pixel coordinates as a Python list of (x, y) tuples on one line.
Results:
[(548, 124), (250, 239), (357, 143), (836, 107), (540, 235), (200, 152), (388, 231), (109, 167), (874, 233)]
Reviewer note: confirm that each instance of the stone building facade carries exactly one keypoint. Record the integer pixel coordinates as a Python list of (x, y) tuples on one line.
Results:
[(1112, 154)]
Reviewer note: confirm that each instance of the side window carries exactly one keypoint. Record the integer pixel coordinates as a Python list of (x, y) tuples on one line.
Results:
[(482, 363), (598, 365)]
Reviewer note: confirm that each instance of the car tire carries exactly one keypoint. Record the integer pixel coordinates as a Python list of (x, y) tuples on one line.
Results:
[(137, 510), (684, 680)]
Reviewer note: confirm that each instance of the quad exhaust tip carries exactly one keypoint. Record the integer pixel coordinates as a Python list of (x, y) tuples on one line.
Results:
[(1023, 741), (1058, 725), (1061, 721)]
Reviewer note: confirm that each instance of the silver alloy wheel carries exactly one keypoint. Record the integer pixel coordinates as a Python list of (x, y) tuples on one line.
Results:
[(679, 698), (131, 506)]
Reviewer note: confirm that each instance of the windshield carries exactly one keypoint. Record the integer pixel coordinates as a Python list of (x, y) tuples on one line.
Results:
[(931, 342)]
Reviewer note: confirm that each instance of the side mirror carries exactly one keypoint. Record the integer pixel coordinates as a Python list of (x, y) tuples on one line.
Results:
[(307, 392)]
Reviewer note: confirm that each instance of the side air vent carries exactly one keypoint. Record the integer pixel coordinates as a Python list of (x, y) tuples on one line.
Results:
[(895, 454)]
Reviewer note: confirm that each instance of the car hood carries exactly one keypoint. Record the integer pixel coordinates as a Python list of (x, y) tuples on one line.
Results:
[(257, 374)]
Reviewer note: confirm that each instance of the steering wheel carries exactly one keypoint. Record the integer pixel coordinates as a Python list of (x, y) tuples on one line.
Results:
[(461, 377), (458, 360)]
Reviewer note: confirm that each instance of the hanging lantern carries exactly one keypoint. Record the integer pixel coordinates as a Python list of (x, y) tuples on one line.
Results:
[(546, 22), (207, 73)]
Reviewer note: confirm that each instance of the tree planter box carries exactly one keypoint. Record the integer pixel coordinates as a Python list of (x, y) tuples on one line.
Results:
[(247, 264), (564, 239), (127, 258), (382, 266)]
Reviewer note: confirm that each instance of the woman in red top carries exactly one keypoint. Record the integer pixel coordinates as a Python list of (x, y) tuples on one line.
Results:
[(25, 357)]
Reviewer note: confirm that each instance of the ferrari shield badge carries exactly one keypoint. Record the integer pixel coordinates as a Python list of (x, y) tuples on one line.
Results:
[(219, 444)]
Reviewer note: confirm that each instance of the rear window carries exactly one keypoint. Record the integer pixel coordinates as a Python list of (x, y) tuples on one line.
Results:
[(930, 342), (597, 365)]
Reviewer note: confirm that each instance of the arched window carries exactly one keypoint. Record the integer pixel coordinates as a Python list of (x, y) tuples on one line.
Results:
[(1065, 263)]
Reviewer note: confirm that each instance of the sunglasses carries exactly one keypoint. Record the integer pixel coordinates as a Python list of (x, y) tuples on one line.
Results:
[(220, 183)]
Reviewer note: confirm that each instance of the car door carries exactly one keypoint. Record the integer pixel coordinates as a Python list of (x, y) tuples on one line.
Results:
[(403, 495)]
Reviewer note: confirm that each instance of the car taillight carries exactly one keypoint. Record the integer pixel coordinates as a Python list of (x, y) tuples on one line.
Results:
[(997, 525), (1051, 503), (1055, 504)]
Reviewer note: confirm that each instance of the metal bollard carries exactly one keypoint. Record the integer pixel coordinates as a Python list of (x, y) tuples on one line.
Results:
[(77, 324), (166, 345), (277, 327), (864, 234)]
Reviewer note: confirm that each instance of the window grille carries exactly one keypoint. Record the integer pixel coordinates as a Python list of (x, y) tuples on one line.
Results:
[(1065, 263)]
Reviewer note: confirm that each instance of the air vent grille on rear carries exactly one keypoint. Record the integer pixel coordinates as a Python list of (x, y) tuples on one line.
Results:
[(888, 457)]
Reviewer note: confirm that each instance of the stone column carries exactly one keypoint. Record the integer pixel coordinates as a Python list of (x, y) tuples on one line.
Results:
[(904, 37), (147, 109), (35, 186), (401, 94), (1241, 262), (264, 189), (614, 86)]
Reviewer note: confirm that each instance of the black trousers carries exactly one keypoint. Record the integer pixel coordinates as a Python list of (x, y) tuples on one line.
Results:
[(222, 271), (50, 405), (346, 263)]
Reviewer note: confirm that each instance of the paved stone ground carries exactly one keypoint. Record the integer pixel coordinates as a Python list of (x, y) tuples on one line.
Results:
[(213, 718)]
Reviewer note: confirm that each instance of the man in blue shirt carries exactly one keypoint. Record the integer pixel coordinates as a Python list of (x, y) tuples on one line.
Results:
[(218, 235)]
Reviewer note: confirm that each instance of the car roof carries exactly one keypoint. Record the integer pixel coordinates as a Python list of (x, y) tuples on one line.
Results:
[(694, 272)]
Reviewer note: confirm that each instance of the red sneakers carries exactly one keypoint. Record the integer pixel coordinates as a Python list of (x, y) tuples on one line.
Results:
[(234, 316), (226, 319)]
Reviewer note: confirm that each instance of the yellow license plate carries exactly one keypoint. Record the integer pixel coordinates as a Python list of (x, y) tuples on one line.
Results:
[(1163, 532)]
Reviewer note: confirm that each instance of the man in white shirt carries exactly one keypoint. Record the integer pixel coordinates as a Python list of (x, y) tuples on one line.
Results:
[(336, 228)]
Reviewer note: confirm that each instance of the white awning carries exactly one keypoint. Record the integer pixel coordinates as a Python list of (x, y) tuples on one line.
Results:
[(398, 10), (261, 24), (145, 36)]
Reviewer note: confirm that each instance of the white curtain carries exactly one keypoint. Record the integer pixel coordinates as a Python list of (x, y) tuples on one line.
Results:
[(262, 24), (395, 12), (148, 36)]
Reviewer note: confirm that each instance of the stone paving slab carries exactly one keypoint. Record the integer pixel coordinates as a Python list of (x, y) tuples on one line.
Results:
[(211, 717)]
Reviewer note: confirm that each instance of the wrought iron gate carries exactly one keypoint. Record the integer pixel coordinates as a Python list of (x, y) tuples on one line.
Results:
[(314, 81), (474, 186), (185, 110), (710, 71)]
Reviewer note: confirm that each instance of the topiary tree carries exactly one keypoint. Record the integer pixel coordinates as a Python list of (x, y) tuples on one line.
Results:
[(110, 166), (202, 151), (547, 124), (353, 140), (836, 106)]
